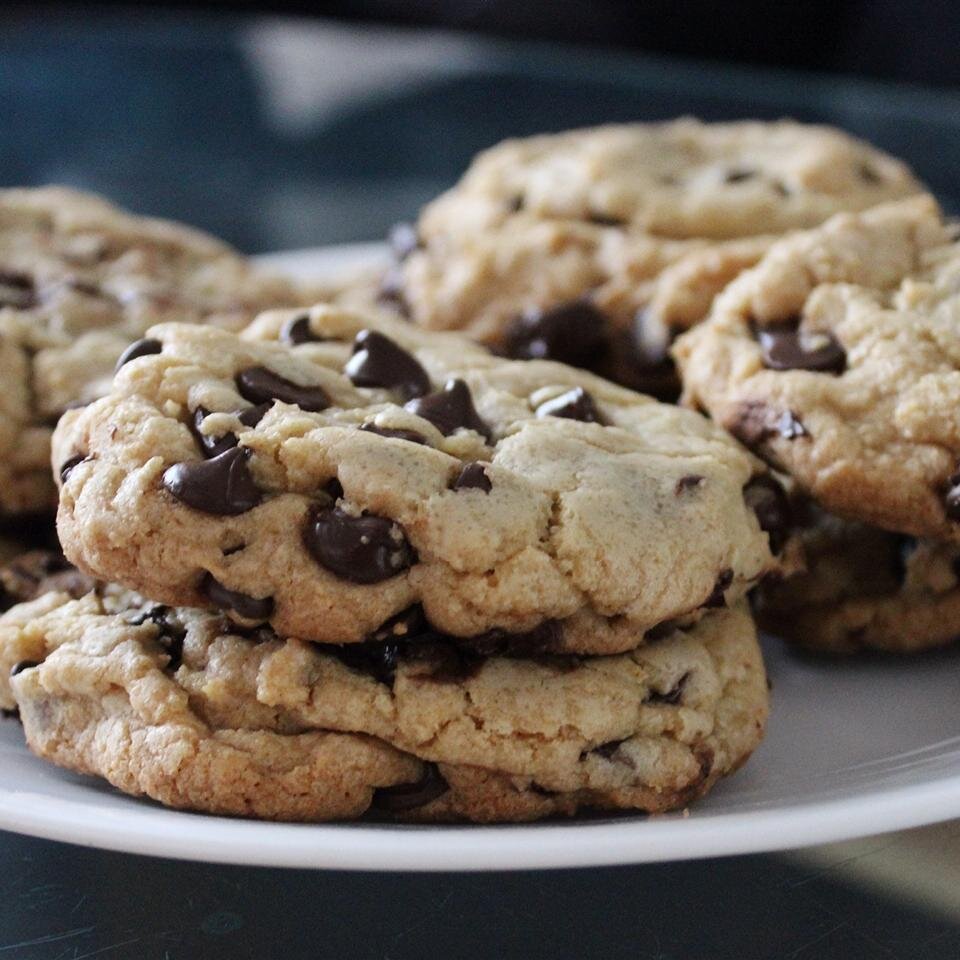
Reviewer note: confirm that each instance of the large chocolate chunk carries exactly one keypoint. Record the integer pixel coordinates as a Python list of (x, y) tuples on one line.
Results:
[(451, 409), (379, 362), (250, 608), (141, 348), (260, 385), (574, 333), (364, 549), (223, 486), (787, 347)]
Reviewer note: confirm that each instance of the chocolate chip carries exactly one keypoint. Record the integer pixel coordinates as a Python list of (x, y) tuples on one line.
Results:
[(364, 549), (213, 446), (142, 348), (951, 499), (68, 465), (473, 476), (333, 489), (641, 358), (16, 290), (379, 362), (545, 638), (259, 385), (297, 330), (170, 632), (575, 404), (250, 608), (450, 409), (754, 422), (412, 436), (605, 220), (786, 347), (717, 598), (23, 665), (672, 696), (769, 501), (222, 485), (403, 240), (689, 482), (739, 175), (574, 333), (410, 796)]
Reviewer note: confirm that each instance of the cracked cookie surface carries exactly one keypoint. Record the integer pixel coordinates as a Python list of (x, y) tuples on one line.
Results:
[(79, 281), (178, 705), (596, 247), (401, 467), (836, 359)]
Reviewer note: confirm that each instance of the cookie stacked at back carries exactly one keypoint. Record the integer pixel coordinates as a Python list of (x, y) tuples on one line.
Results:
[(345, 562), (837, 359), (79, 281), (596, 247)]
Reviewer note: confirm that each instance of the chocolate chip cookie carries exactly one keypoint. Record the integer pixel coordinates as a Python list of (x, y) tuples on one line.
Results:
[(79, 281), (864, 588), (328, 481), (837, 359), (183, 707), (596, 247)]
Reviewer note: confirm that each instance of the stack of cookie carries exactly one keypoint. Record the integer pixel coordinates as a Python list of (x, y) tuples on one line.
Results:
[(330, 562), (344, 563), (837, 359)]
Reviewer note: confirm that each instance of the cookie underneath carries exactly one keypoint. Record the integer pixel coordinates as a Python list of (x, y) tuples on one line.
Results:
[(175, 705)]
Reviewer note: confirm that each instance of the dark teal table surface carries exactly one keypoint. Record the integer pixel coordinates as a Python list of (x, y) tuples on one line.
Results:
[(278, 134)]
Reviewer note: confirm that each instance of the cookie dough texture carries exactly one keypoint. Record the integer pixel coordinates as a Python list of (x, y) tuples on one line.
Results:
[(609, 529), (876, 438), (79, 281), (864, 588), (286, 730), (648, 219)]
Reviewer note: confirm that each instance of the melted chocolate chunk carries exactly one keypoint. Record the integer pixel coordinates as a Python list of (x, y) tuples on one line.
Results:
[(223, 486), (473, 476), (411, 436), (575, 333), (403, 240), (689, 482), (575, 404), (67, 466), (364, 549), (739, 175), (379, 362), (260, 385), (142, 348), (672, 696), (951, 499), (250, 608), (23, 665), (769, 501), (170, 632), (297, 330), (717, 598), (542, 640), (786, 347), (451, 409), (755, 422), (211, 445), (411, 796), (16, 290)]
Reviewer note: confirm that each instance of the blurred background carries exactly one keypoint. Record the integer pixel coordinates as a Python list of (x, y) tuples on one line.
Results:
[(288, 130), (293, 124)]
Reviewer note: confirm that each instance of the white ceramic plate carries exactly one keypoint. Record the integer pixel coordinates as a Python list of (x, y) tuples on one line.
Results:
[(854, 748)]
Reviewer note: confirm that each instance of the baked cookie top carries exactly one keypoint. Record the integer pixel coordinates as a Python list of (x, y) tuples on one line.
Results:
[(679, 179), (837, 359), (595, 247), (79, 281), (179, 704), (328, 481)]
